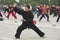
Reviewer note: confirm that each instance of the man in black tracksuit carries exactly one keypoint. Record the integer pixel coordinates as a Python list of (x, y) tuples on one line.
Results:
[(58, 15), (53, 10), (58, 18), (27, 21)]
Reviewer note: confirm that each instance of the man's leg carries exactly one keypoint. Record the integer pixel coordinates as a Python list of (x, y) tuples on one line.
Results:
[(55, 14), (0, 14), (8, 15), (14, 14), (1, 19), (47, 17), (19, 30), (39, 32), (58, 18), (41, 17)]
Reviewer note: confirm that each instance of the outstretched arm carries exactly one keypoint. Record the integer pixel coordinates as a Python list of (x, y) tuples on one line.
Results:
[(18, 10)]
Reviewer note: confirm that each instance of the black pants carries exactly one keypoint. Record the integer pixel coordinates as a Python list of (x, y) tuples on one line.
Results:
[(0, 14), (58, 18), (43, 15), (30, 26), (53, 12), (1, 19)]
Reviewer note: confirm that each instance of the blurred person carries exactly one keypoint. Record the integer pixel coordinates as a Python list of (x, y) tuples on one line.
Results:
[(1, 10), (58, 15), (6, 8), (27, 21), (36, 10), (53, 10), (40, 11), (44, 13), (10, 11)]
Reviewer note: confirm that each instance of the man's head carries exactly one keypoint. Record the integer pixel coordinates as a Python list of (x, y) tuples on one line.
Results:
[(14, 4), (27, 8)]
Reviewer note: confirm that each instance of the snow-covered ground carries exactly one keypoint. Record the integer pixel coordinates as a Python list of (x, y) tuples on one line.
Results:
[(8, 29)]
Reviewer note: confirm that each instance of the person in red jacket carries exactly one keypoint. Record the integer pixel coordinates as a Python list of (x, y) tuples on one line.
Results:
[(44, 13), (11, 12), (40, 10)]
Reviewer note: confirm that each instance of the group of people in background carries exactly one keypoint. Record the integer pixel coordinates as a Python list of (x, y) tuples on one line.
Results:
[(41, 10), (46, 10), (7, 9)]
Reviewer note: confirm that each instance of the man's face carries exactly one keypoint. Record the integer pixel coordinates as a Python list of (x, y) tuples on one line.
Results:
[(27, 9), (14, 5)]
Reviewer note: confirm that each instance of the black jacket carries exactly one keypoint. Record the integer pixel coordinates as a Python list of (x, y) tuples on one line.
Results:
[(28, 16)]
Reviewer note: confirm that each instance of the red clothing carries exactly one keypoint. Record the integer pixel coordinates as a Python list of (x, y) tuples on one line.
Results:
[(57, 9), (44, 10), (48, 7), (13, 14), (59, 12)]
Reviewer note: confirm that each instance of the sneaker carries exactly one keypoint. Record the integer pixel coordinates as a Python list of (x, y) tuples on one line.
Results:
[(42, 35), (17, 37)]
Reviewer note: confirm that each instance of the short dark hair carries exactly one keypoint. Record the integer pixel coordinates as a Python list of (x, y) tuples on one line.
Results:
[(27, 6)]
